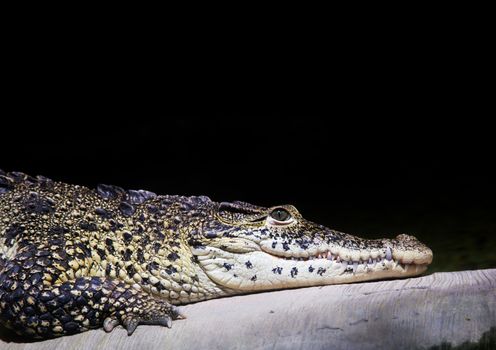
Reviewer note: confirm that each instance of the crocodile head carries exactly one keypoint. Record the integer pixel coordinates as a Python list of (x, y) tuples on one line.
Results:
[(247, 248)]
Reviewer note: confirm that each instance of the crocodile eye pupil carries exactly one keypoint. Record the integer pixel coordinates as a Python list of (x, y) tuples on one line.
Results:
[(280, 214)]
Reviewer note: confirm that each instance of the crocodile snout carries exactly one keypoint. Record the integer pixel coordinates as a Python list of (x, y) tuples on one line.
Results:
[(409, 250)]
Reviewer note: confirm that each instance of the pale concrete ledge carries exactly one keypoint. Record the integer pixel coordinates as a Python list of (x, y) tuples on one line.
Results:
[(443, 310)]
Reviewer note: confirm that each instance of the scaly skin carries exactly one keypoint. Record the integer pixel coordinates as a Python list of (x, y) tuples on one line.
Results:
[(73, 258)]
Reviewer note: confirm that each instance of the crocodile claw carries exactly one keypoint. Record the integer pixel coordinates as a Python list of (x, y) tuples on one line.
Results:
[(165, 321), (176, 313), (130, 324), (109, 324)]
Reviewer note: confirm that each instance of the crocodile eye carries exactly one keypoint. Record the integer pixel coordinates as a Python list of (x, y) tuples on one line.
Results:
[(280, 214)]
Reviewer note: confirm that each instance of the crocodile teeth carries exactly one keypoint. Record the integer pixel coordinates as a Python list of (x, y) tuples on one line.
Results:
[(389, 254), (368, 262)]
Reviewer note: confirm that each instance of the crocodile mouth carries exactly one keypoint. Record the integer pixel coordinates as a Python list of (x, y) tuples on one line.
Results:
[(246, 265)]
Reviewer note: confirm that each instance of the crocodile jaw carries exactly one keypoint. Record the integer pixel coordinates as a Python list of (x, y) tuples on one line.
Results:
[(268, 270)]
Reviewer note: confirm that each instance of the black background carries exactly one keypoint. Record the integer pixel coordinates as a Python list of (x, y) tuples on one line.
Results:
[(375, 126), (355, 172)]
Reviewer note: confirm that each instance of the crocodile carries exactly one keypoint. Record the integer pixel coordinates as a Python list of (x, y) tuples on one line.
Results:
[(74, 258)]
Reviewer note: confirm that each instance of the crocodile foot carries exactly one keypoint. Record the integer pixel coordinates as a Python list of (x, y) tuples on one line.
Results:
[(131, 321)]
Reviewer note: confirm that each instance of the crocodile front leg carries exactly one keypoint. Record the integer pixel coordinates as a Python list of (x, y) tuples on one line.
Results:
[(132, 308), (33, 307)]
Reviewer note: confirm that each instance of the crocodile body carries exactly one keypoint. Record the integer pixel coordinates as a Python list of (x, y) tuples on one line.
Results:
[(74, 258)]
